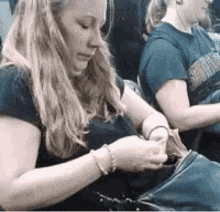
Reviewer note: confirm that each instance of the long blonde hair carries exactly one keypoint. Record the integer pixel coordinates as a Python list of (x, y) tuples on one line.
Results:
[(156, 10), (35, 44)]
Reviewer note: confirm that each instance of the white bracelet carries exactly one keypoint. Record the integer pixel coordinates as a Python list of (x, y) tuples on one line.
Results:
[(113, 160), (98, 164)]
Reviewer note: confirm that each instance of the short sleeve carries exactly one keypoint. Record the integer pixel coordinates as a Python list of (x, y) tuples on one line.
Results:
[(161, 62), (16, 98)]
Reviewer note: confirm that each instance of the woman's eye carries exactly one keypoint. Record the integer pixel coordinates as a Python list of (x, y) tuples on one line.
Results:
[(84, 26)]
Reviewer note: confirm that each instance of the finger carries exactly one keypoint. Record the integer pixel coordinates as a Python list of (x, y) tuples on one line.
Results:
[(153, 166), (155, 150), (159, 140), (162, 141), (161, 158)]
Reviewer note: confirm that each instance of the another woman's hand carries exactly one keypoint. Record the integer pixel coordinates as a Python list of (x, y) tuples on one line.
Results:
[(135, 154)]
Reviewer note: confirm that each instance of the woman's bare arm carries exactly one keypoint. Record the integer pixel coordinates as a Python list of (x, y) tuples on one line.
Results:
[(174, 102), (143, 115), (23, 187)]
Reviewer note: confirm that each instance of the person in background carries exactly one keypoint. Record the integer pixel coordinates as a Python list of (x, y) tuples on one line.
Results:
[(126, 40), (180, 65), (5, 19)]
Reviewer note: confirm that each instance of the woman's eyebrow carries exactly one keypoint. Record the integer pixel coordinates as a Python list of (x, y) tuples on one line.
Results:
[(94, 19)]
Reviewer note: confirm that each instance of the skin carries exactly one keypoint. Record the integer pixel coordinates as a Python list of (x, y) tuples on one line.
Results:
[(24, 187), (178, 110), (82, 22), (185, 15), (193, 11)]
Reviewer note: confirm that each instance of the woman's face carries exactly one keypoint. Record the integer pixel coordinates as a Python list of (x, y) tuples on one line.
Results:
[(194, 10), (81, 21)]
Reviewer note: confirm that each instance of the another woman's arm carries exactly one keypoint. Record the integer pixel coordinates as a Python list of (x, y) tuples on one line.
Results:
[(144, 116), (174, 102)]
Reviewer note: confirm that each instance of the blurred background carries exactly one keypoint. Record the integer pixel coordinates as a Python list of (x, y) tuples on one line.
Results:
[(5, 18), (126, 37)]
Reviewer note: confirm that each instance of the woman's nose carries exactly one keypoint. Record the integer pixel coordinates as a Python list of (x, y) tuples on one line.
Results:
[(96, 39)]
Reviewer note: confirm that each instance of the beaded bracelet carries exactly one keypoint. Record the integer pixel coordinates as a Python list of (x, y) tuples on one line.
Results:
[(98, 164), (113, 160), (160, 126)]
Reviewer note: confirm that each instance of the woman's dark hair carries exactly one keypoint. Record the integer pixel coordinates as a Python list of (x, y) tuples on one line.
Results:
[(126, 37)]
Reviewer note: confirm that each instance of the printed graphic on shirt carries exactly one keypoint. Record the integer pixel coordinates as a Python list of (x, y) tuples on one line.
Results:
[(204, 77)]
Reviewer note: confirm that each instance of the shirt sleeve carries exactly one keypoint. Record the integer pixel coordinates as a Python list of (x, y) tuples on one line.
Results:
[(16, 98), (161, 62)]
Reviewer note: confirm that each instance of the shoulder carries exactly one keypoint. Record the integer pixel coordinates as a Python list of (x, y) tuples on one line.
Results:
[(13, 73), (14, 79), (163, 38), (162, 58), (167, 36), (16, 96), (162, 44), (159, 50)]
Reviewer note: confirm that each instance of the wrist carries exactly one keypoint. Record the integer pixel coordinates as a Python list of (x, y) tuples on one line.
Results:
[(154, 120), (158, 130), (103, 161), (112, 157)]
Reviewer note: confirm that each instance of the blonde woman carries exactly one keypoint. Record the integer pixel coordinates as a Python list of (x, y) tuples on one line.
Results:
[(68, 125), (61, 98)]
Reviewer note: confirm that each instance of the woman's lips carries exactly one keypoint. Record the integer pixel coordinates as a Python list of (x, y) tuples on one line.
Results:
[(84, 57)]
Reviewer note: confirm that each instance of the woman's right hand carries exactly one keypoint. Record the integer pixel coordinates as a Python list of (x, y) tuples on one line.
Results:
[(135, 154)]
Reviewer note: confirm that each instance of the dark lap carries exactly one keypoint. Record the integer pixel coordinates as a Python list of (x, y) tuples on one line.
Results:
[(194, 185)]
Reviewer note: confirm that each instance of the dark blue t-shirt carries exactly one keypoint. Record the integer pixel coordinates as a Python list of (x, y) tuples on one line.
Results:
[(16, 100), (16, 97), (172, 54)]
